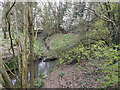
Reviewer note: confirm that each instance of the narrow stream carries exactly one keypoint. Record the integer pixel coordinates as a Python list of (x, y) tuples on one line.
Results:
[(39, 67)]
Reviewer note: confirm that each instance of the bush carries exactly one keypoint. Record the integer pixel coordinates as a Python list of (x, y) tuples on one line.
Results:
[(99, 51)]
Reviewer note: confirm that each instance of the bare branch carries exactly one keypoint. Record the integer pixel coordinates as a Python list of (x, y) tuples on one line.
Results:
[(103, 17), (10, 8)]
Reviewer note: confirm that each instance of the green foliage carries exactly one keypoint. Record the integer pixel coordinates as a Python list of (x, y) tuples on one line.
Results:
[(80, 83), (59, 42), (28, 85), (98, 51), (40, 74), (10, 62), (44, 76), (38, 51), (99, 31), (61, 74), (76, 54), (1, 80), (107, 56), (39, 83), (49, 71)]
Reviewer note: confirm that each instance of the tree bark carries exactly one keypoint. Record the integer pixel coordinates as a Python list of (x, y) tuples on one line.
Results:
[(3, 73), (17, 39), (11, 41), (1, 70), (31, 40), (4, 32), (24, 58)]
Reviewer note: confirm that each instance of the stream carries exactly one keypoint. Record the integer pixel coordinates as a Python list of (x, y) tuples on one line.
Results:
[(39, 67)]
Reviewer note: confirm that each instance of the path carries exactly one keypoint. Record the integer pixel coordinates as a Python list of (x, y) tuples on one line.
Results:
[(73, 77)]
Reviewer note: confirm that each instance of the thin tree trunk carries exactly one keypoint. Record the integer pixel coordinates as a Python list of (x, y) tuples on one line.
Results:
[(24, 58), (7, 79), (11, 42), (1, 70), (4, 32), (31, 40), (4, 24), (4, 74), (18, 46)]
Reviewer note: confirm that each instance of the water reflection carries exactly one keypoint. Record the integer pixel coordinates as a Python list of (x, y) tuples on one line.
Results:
[(42, 67)]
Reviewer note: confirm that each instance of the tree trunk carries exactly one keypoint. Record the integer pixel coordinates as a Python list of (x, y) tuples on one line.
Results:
[(31, 40), (24, 58), (11, 41), (1, 70), (3, 73), (17, 39), (4, 32)]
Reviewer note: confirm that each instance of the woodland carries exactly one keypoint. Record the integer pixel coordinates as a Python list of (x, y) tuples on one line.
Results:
[(59, 45)]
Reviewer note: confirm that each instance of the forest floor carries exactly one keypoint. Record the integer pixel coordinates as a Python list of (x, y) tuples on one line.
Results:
[(83, 75), (71, 76)]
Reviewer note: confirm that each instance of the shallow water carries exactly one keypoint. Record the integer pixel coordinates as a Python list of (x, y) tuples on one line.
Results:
[(39, 67)]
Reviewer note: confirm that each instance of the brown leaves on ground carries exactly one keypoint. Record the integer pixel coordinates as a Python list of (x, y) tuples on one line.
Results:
[(74, 77)]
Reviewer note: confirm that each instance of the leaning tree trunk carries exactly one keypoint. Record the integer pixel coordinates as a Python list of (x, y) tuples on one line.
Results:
[(31, 40), (4, 77), (1, 70)]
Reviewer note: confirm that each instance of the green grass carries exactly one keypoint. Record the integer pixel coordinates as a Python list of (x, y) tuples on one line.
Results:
[(60, 42), (57, 42), (38, 48)]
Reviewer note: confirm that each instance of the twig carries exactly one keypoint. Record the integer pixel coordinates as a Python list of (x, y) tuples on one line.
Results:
[(9, 69), (10, 8)]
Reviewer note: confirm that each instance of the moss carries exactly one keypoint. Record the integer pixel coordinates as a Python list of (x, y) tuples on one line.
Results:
[(1, 80)]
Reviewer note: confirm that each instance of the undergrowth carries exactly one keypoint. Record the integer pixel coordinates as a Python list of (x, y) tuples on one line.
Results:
[(99, 51)]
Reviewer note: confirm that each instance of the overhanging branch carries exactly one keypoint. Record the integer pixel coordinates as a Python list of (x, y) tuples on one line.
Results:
[(103, 17)]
